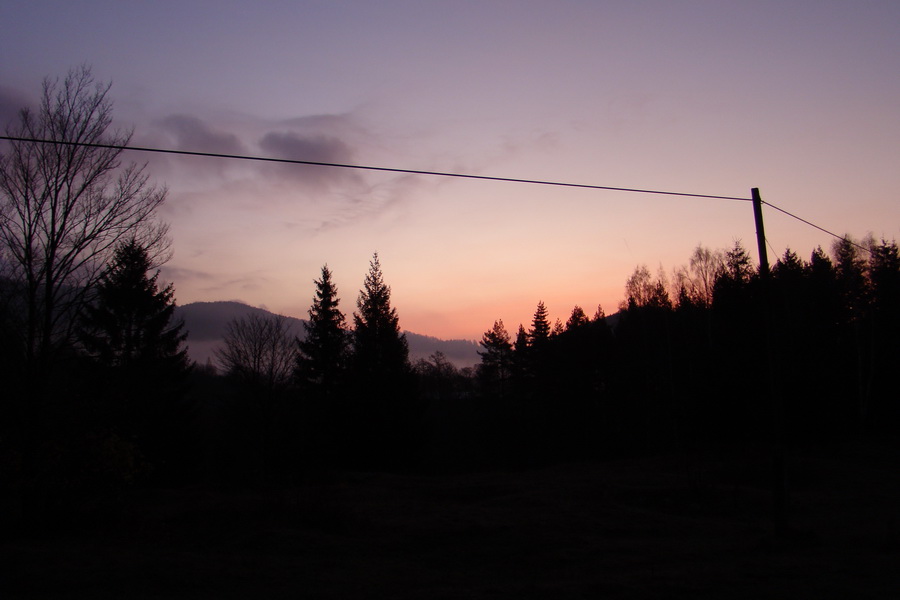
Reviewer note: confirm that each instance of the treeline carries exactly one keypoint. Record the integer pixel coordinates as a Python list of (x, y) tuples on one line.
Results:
[(712, 358), (709, 359)]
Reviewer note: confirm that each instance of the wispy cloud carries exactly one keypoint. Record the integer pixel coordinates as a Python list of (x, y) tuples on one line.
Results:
[(193, 134), (177, 273), (248, 282), (293, 145), (374, 200), (190, 133)]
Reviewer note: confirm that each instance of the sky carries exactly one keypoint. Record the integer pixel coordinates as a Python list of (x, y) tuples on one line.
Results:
[(797, 98)]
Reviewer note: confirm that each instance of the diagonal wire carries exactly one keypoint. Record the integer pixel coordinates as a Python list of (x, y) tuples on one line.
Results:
[(371, 168), (822, 229), (431, 173), (772, 248)]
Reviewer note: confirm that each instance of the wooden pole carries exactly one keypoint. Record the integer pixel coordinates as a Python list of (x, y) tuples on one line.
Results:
[(760, 236), (779, 462)]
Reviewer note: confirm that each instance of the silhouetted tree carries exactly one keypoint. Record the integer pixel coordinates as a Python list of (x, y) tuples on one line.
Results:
[(539, 334), (641, 290), (558, 328), (577, 319), (582, 360), (140, 357), (521, 364), (439, 379), (850, 271), (259, 352), (645, 373), (496, 359), (884, 268), (323, 354), (699, 277), (739, 268), (258, 356), (386, 420), (738, 319), (380, 350), (638, 288), (538, 359), (884, 277), (520, 344), (129, 323), (854, 289), (66, 207)]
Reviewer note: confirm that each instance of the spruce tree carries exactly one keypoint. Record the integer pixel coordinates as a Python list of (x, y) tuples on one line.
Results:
[(380, 351), (521, 351), (129, 325), (496, 359), (738, 266), (139, 365), (851, 272), (539, 334), (576, 319), (521, 364), (884, 274), (383, 418), (322, 360)]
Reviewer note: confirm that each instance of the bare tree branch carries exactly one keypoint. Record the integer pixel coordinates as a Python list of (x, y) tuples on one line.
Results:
[(64, 207)]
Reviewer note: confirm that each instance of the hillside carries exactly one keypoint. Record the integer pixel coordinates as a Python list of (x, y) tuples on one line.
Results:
[(206, 324)]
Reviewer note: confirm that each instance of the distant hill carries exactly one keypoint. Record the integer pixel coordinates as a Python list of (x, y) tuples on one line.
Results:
[(206, 323)]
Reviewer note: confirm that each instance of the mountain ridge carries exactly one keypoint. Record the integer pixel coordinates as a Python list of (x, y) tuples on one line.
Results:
[(206, 323)]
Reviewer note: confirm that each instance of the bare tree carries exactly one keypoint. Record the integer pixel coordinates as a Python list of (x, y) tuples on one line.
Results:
[(642, 290), (64, 206), (259, 350), (699, 277)]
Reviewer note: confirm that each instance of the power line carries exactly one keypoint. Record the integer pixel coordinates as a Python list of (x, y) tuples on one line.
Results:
[(420, 172), (772, 248), (371, 168), (822, 229)]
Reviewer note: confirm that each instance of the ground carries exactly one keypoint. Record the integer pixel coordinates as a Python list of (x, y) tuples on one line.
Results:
[(681, 526)]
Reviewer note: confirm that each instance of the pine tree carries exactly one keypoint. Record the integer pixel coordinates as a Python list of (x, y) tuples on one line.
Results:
[(383, 418), (380, 351), (521, 364), (129, 325), (140, 365), (558, 329), (732, 283), (496, 360), (738, 265), (520, 346), (323, 353), (539, 334), (577, 319), (851, 271), (884, 273)]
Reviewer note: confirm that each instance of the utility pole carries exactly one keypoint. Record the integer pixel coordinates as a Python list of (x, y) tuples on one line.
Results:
[(779, 461)]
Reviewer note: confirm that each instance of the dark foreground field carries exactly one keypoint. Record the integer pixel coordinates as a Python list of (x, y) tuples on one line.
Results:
[(675, 527)]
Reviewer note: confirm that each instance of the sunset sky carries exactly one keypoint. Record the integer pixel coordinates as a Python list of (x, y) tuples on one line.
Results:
[(798, 98)]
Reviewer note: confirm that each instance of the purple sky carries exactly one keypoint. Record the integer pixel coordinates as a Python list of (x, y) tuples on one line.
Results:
[(798, 98)]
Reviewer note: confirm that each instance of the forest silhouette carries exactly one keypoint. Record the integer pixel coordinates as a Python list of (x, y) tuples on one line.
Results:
[(103, 412)]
